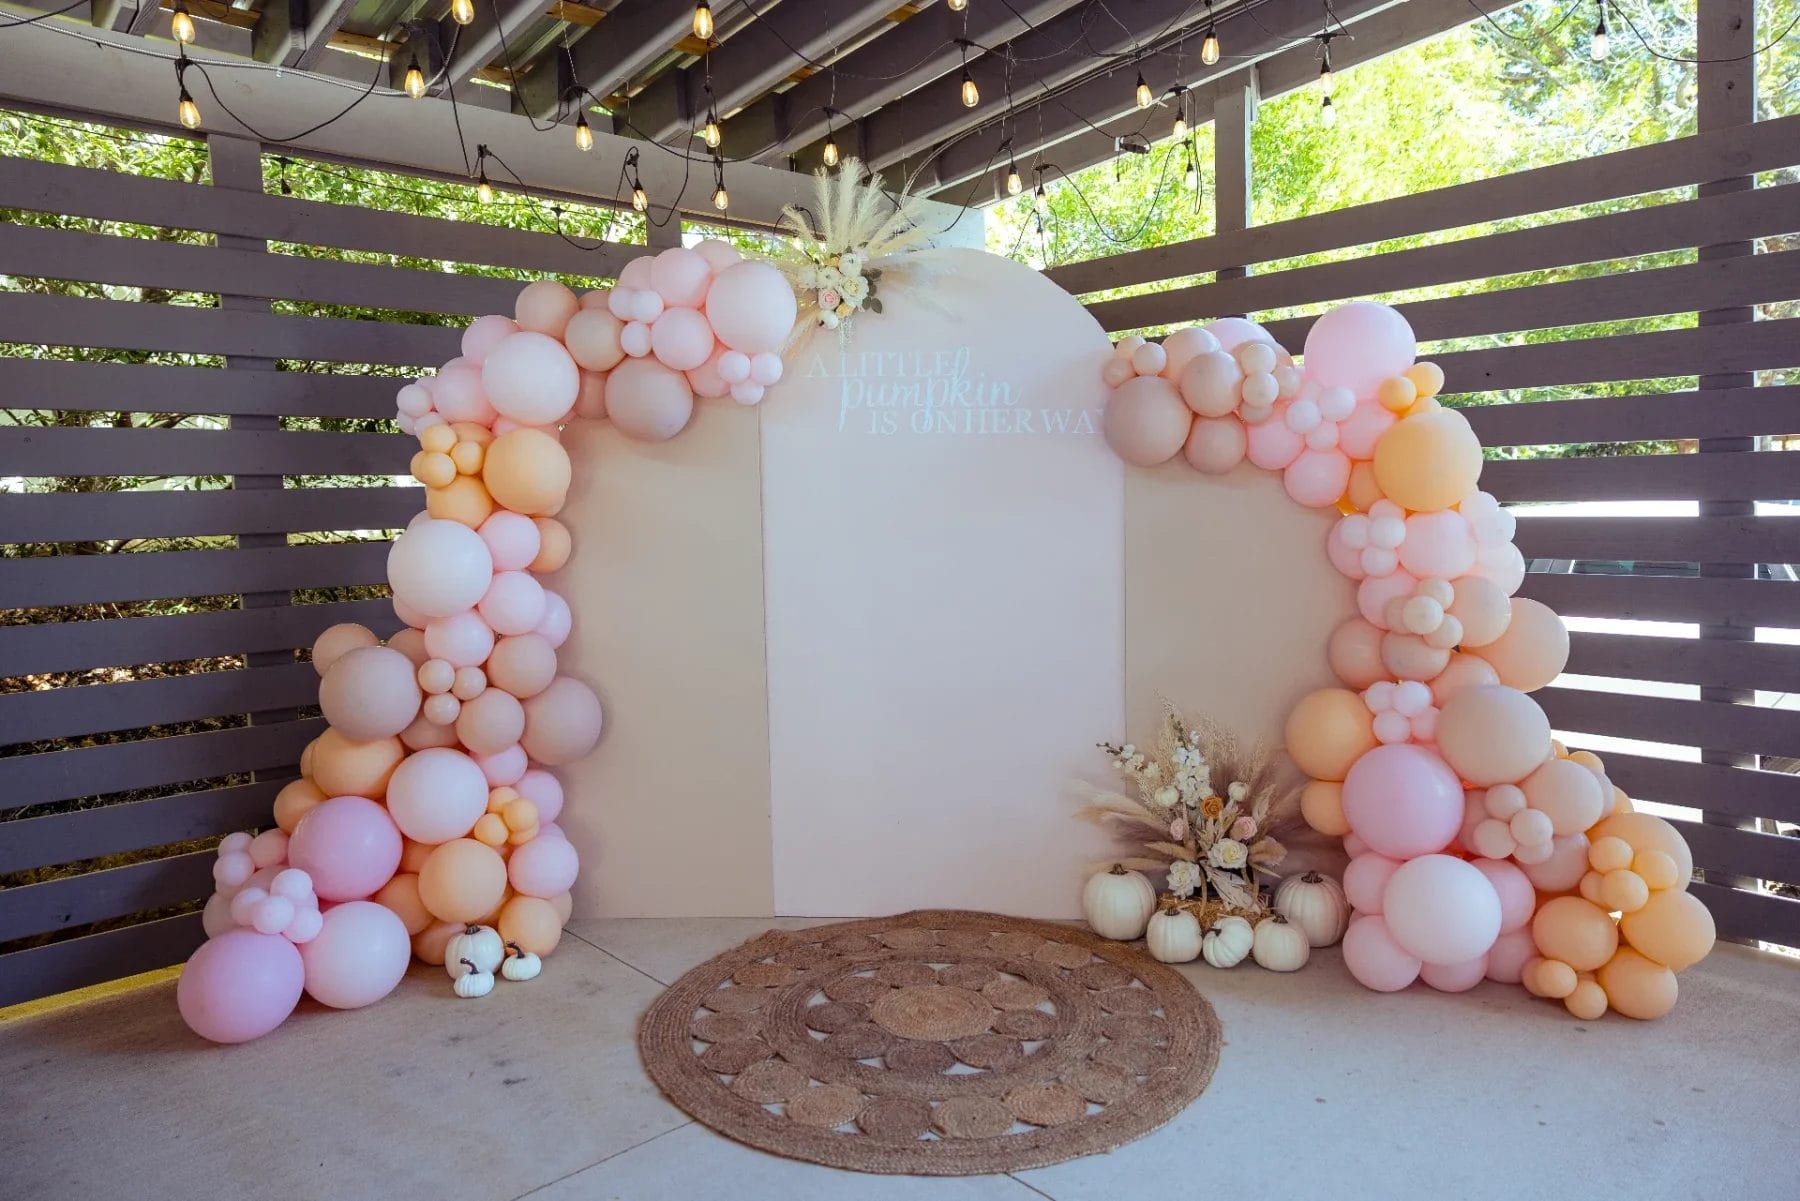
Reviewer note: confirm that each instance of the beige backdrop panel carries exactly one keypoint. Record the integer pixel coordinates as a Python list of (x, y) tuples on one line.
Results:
[(671, 812)]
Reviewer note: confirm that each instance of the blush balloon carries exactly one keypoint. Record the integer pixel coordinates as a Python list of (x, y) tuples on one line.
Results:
[(1272, 445), (1215, 444), (1506, 959), (1359, 432), (358, 956), (348, 845), (1374, 593), (523, 665), (1233, 332), (1181, 346), (503, 768), (1438, 545), (458, 394), (1365, 881), (1493, 735), (1146, 422), (718, 254), (1513, 887), (1357, 346), (1441, 910), (681, 338), (240, 985), (1404, 801), (562, 723), (513, 603), (339, 640), (1462, 671), (1375, 959), (545, 307), (436, 795), (765, 369), (680, 276), (638, 273), (531, 379), (1317, 478), (648, 401), (751, 307), (558, 621), (593, 339), (1455, 977), (438, 568), (483, 334), (543, 790), (512, 541), (464, 640), (490, 723), (705, 379), (543, 867), (1354, 652)]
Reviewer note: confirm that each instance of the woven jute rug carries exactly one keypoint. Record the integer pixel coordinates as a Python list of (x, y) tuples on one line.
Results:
[(935, 1043)]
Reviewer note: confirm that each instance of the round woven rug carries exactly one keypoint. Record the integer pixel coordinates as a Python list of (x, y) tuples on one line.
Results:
[(935, 1043)]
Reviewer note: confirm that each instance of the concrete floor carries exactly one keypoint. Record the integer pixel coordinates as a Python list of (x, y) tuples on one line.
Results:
[(1323, 1090)]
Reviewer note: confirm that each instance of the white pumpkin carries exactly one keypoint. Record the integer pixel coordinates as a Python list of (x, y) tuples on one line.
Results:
[(1315, 903), (1118, 903), (1228, 943), (520, 964), (1280, 945), (480, 945), (472, 982), (1173, 936)]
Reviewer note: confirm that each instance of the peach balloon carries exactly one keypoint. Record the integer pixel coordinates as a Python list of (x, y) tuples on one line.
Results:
[(1216, 444), (1363, 490), (533, 923), (648, 401), (1673, 928), (523, 665), (1534, 648), (1354, 652), (1410, 657), (1567, 793), (462, 881), (1576, 932), (411, 643), (425, 733), (464, 500), (344, 767), (530, 378), (1328, 731), (414, 854), (1548, 978), (1209, 383), (437, 795), (1322, 805), (546, 307), (1638, 987), (1493, 735), (1562, 869), (562, 723), (1587, 1001), (1647, 833), (464, 640), (337, 641), (371, 692), (491, 722), (1483, 608), (565, 905), (294, 801), (592, 338), (428, 945), (1146, 422), (401, 894), (1462, 671), (528, 472), (513, 603), (1429, 461), (554, 545)]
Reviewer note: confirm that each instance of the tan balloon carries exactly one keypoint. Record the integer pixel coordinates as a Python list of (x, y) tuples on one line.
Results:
[(531, 922), (1364, 489), (337, 641), (401, 894), (1674, 928), (462, 881), (1493, 735), (1462, 671), (1483, 608), (1410, 657), (1638, 987), (1534, 649), (1329, 730), (411, 643), (592, 337), (344, 767), (1647, 832), (528, 472), (1576, 932), (428, 945), (464, 499), (1322, 805), (370, 692), (1354, 652), (490, 722), (554, 545), (294, 802), (546, 306), (1567, 793), (1428, 461), (523, 665), (1210, 383)]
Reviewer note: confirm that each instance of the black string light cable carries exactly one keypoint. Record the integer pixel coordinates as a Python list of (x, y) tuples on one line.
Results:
[(1675, 58)]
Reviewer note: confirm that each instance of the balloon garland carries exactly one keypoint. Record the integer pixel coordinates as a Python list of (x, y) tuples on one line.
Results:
[(427, 810), (1481, 848)]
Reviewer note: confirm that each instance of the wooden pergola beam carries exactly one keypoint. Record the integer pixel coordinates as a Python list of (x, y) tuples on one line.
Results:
[(497, 24), (635, 36), (297, 33)]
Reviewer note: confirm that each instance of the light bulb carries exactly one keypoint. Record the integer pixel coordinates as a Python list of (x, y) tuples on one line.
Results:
[(1144, 96), (1327, 113), (1193, 174), (181, 25), (956, 6), (721, 198), (1209, 49), (639, 200), (831, 152), (703, 21), (971, 95), (484, 191), (1599, 47), (1325, 78), (584, 137), (1181, 127), (190, 112), (1039, 201), (415, 81), (462, 11), (1014, 185), (710, 133)]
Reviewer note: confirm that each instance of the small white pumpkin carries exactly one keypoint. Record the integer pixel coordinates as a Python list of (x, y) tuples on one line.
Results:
[(1315, 903), (1280, 945), (473, 982), (1173, 936), (480, 945), (1228, 943), (1118, 903), (520, 964)]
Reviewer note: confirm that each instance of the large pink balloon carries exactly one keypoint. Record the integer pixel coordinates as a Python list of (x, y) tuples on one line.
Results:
[(240, 986), (1403, 800), (1358, 345), (1438, 545), (530, 378), (681, 339), (1365, 881), (1146, 421), (1441, 910), (543, 790), (1272, 445), (348, 845), (1375, 959), (562, 723), (458, 394), (436, 795), (1233, 332), (513, 540), (465, 640), (1317, 478), (593, 339), (438, 568), (513, 603), (647, 400), (543, 867), (358, 956), (369, 693), (483, 334), (751, 307), (681, 277)]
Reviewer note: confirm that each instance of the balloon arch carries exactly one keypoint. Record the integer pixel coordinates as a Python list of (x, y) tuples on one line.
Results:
[(426, 812)]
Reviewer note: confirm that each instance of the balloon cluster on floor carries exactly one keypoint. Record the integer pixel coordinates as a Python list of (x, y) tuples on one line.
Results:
[(1481, 848), (424, 820)]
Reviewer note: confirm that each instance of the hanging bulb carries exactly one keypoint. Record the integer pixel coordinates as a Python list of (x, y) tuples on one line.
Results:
[(1039, 201), (710, 132), (1193, 169), (831, 152), (1600, 46), (703, 21), (484, 191), (1181, 126), (1014, 185), (721, 198), (971, 95), (462, 11), (1209, 49), (190, 112), (1325, 77), (415, 81), (1145, 98), (1327, 113), (640, 200), (584, 137), (956, 6), (181, 25)]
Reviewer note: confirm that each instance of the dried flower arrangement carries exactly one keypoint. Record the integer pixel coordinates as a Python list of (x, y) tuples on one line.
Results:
[(1212, 844)]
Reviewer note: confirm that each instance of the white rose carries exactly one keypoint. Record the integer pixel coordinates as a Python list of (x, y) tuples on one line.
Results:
[(1228, 853)]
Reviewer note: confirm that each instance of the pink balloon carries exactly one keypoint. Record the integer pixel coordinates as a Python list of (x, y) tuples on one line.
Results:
[(681, 276), (1146, 421), (1181, 346), (636, 339), (1365, 881), (734, 366), (543, 867), (1373, 594), (593, 339), (765, 369), (358, 956), (240, 986), (503, 768), (1216, 444), (414, 619), (562, 723), (1375, 959), (1272, 444), (369, 693), (718, 255), (1404, 800), (639, 272), (412, 401), (1357, 346), (751, 307), (1455, 977), (1513, 887), (530, 378), (543, 790), (1502, 563), (513, 541), (489, 723), (434, 796), (1565, 867), (483, 334), (1440, 909), (1116, 372), (1233, 332), (621, 300), (558, 621), (648, 401), (1438, 545), (705, 379), (514, 603), (681, 338), (590, 402), (1354, 846), (1507, 958), (747, 393), (458, 393), (646, 305), (464, 640), (1317, 478), (348, 845), (1359, 432), (438, 568)]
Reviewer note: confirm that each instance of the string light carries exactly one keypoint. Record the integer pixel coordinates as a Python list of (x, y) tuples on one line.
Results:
[(1039, 201), (1600, 47), (1209, 49), (710, 132), (462, 11), (721, 198), (971, 95), (415, 81), (1327, 113), (1193, 168), (1145, 98), (703, 21), (956, 6), (181, 24), (1325, 78), (1181, 119), (1014, 185), (640, 200), (584, 137), (830, 153), (185, 108), (484, 191)]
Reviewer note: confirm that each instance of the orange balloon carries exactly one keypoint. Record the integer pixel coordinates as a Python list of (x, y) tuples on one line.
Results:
[(345, 768), (306, 758), (294, 801), (532, 923), (1658, 870), (1674, 928), (523, 665), (414, 854), (565, 905), (1549, 978), (1322, 805), (429, 944), (1609, 854), (1428, 378), (1354, 653), (1493, 735), (462, 881), (433, 468), (1588, 1001), (1363, 490), (437, 439), (1483, 608), (463, 500), (554, 545), (528, 472), (401, 894), (467, 456), (1623, 891), (1646, 832), (1638, 987), (1410, 657), (1428, 462), (1576, 932), (493, 919), (411, 643), (1397, 394), (1329, 730), (1567, 793), (1534, 649), (490, 830)]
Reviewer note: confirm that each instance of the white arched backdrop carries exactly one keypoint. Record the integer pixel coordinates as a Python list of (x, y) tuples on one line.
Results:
[(853, 643)]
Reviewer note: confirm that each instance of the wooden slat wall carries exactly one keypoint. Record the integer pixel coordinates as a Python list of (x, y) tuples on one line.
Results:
[(132, 734), (1725, 409)]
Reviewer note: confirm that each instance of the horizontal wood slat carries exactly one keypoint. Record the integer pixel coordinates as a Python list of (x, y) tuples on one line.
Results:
[(1751, 916), (104, 516), (1708, 662), (144, 262), (88, 579), (1748, 346), (1738, 791), (95, 896), (63, 451), (82, 192), (1749, 853), (1676, 539), (126, 641), (1727, 153), (1721, 413), (48, 713), (143, 388), (135, 825), (152, 763), (1668, 598), (127, 325), (1713, 725), (78, 962), (1751, 475)]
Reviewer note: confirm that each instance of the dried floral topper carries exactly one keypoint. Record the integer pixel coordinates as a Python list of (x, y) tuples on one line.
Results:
[(1202, 809)]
